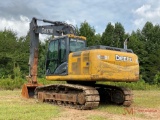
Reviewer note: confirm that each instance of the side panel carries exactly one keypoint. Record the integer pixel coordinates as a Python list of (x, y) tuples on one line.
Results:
[(101, 65), (79, 63), (114, 65)]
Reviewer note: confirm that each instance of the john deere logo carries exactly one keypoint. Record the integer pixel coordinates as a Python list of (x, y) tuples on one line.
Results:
[(123, 58)]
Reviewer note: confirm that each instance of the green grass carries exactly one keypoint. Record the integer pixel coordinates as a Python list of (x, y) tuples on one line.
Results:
[(148, 98), (146, 105), (140, 85), (97, 117), (13, 107), (10, 84), (113, 109), (46, 82), (142, 99)]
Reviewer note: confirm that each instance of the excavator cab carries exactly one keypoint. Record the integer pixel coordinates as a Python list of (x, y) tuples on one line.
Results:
[(56, 61), (58, 52)]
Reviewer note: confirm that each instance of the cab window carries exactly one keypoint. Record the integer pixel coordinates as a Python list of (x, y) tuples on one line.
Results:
[(53, 50), (76, 44), (52, 57), (62, 50)]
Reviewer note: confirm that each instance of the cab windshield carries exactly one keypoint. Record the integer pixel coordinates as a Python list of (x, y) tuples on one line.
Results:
[(76, 44)]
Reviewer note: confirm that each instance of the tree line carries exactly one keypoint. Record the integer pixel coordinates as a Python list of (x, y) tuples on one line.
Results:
[(14, 51)]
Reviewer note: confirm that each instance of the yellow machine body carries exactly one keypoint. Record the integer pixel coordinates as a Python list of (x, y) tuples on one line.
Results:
[(100, 65)]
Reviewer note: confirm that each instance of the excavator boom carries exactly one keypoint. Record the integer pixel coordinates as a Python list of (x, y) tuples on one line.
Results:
[(56, 28)]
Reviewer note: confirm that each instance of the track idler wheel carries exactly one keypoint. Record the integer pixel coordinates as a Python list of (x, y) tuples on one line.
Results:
[(118, 97)]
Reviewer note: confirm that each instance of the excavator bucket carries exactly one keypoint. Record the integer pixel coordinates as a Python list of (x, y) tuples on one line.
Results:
[(28, 90)]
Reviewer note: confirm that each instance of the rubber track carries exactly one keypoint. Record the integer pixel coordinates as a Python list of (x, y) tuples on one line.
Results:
[(91, 95)]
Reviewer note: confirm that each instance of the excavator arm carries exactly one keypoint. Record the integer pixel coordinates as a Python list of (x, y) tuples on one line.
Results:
[(54, 28)]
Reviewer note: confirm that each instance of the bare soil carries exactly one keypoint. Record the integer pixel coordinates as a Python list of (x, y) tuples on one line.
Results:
[(138, 114)]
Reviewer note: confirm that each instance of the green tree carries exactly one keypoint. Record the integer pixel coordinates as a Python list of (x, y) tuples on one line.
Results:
[(113, 35), (8, 48), (119, 34), (152, 47), (137, 44), (41, 58), (22, 54), (13, 54), (108, 36), (157, 78), (89, 32), (97, 39), (145, 43)]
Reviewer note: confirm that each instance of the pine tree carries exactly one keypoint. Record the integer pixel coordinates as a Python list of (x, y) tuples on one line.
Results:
[(108, 36)]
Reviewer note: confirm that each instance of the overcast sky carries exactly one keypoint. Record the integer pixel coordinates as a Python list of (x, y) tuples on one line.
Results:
[(16, 14)]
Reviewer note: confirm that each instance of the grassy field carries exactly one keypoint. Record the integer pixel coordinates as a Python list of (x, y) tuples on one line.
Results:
[(12, 107)]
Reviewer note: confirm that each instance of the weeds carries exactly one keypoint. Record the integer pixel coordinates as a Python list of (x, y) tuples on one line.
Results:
[(140, 85), (17, 82), (10, 84)]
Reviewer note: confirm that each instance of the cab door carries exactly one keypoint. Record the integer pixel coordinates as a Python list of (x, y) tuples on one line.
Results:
[(56, 56)]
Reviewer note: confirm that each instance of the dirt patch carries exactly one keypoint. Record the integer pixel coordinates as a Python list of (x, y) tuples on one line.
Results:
[(71, 114), (136, 114)]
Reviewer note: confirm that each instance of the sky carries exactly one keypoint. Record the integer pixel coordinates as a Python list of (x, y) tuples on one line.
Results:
[(132, 14)]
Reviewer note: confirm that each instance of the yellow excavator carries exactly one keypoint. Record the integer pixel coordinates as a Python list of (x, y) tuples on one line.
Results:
[(68, 59)]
